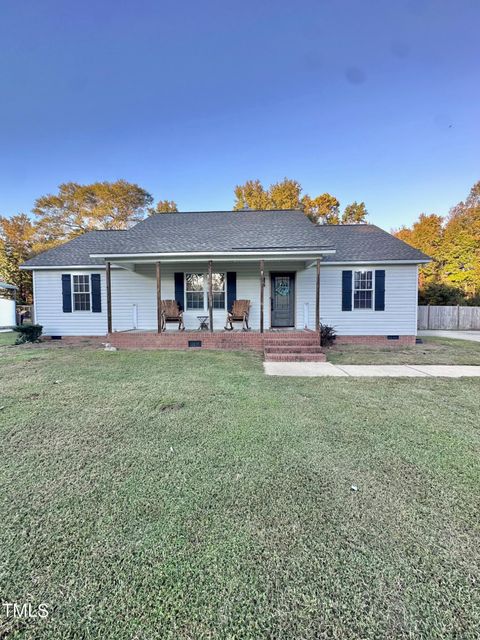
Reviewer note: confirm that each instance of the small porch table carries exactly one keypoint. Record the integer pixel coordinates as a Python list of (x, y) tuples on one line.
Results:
[(203, 323)]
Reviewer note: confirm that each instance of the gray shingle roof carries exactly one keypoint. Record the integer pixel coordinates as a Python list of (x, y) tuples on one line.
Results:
[(219, 231), (224, 231), (76, 251), (366, 243)]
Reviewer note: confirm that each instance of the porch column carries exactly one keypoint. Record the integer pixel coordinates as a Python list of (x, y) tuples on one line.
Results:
[(108, 278), (317, 297), (210, 296), (262, 292), (159, 298)]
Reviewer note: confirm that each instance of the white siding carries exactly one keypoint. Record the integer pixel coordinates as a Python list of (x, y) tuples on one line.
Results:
[(138, 288), (48, 307), (399, 317)]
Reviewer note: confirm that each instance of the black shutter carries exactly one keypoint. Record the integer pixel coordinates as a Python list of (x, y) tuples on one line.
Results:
[(179, 290), (346, 290), (380, 290), (66, 293), (96, 293), (231, 288)]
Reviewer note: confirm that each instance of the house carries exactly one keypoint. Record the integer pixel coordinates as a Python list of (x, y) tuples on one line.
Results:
[(357, 278)]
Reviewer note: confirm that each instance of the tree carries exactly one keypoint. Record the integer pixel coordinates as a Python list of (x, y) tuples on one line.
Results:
[(251, 195), (286, 194), (426, 235), (166, 206), (17, 244), (355, 213), (461, 244), (280, 195), (453, 244), (324, 209), (78, 208)]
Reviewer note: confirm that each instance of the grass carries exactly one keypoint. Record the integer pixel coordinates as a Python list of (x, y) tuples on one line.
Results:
[(187, 495), (7, 338), (432, 351)]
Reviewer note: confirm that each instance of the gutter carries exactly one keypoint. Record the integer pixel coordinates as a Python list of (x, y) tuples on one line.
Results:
[(206, 254)]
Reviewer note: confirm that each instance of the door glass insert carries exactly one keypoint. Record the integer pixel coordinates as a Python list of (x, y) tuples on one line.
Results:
[(282, 286)]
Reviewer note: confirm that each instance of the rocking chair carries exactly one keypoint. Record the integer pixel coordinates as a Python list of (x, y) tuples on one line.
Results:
[(171, 312), (239, 313)]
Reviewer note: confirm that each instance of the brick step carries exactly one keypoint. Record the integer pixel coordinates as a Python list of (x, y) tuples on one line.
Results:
[(295, 357), (293, 349)]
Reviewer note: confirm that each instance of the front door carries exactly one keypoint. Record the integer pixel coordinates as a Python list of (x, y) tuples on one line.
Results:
[(282, 300)]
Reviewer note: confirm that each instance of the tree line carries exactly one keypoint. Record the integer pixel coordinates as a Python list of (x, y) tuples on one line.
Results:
[(453, 243), (287, 194), (77, 208)]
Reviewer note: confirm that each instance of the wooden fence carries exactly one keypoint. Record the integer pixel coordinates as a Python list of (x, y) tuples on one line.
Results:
[(449, 318)]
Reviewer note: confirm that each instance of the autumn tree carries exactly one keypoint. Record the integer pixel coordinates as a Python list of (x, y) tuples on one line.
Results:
[(461, 244), (324, 209), (454, 246), (165, 206), (251, 195), (280, 195), (78, 208), (426, 234), (355, 213), (17, 244), (287, 194)]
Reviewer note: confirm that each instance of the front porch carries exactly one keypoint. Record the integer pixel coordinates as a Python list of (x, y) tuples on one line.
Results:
[(282, 294)]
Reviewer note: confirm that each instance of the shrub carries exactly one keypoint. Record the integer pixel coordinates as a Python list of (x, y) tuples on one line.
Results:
[(28, 333), (474, 301), (440, 294), (327, 335)]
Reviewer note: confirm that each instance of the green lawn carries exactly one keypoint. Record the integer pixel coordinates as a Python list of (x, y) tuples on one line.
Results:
[(7, 337), (432, 351), (186, 495)]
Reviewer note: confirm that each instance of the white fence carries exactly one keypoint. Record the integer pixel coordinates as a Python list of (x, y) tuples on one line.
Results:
[(449, 318)]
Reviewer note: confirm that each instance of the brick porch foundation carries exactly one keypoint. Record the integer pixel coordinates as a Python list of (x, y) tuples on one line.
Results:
[(237, 341), (234, 341)]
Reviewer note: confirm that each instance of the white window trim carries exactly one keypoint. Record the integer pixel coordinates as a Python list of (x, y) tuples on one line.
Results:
[(89, 275), (372, 308), (185, 291), (205, 291)]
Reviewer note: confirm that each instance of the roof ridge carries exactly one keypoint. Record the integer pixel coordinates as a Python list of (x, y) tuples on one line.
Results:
[(105, 230), (162, 213)]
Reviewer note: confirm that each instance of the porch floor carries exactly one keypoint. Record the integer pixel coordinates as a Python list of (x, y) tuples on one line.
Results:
[(220, 331)]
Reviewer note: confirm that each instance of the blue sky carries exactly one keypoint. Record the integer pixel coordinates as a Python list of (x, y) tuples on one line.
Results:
[(369, 100)]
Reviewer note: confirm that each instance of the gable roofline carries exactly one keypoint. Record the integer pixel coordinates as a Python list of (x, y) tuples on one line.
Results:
[(367, 262)]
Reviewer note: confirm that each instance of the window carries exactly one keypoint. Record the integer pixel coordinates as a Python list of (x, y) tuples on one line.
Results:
[(81, 293), (218, 286), (196, 291), (363, 290), (194, 288)]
